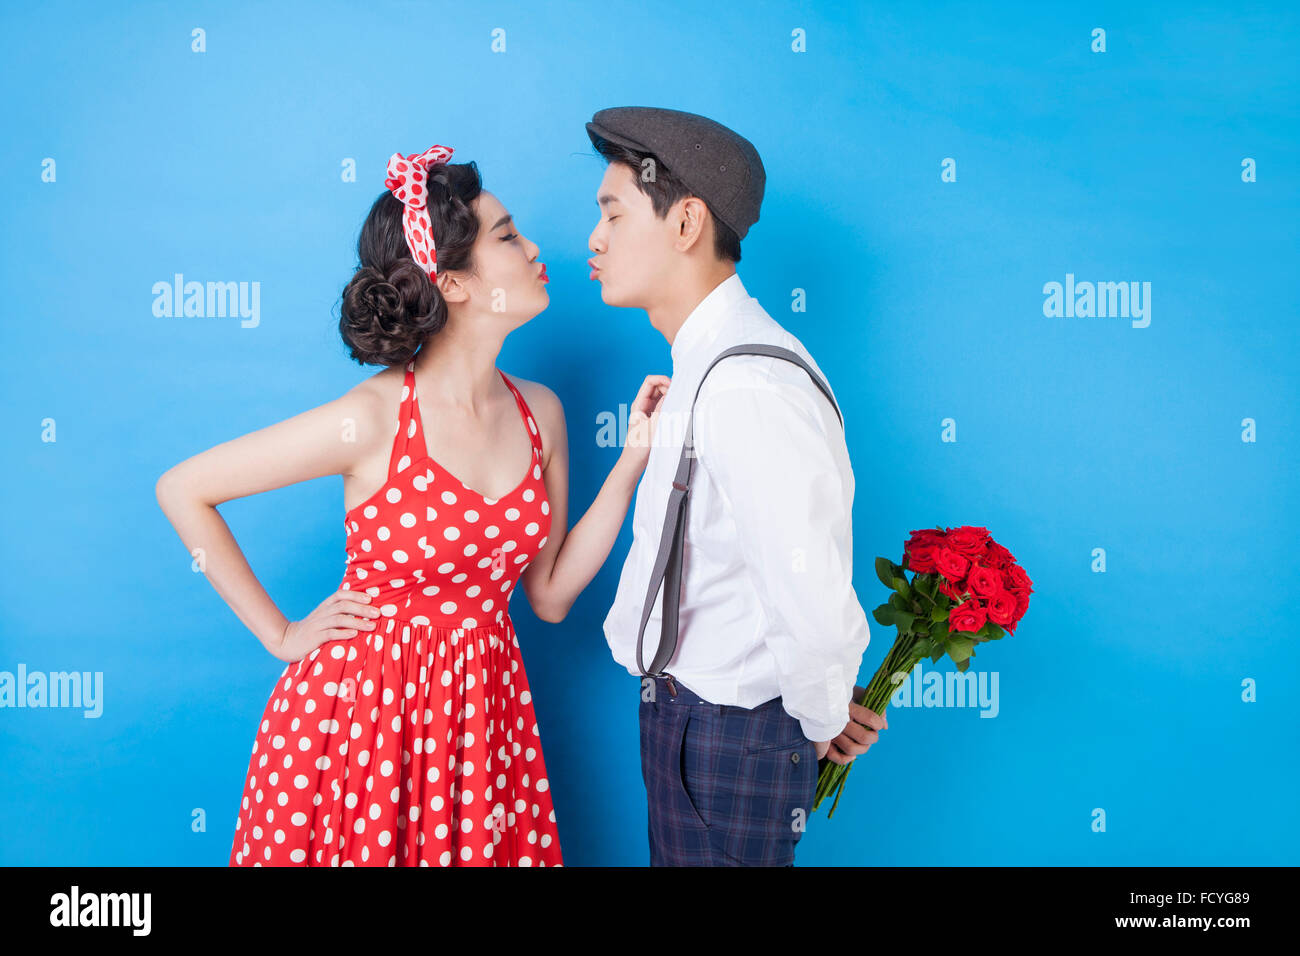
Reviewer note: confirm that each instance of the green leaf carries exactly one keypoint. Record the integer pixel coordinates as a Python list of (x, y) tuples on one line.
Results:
[(895, 600), (995, 633), (904, 620), (959, 648), (939, 614), (962, 665), (902, 587), (937, 652), (884, 615), (885, 571)]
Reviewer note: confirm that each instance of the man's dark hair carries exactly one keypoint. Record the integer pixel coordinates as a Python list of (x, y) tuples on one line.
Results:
[(665, 189)]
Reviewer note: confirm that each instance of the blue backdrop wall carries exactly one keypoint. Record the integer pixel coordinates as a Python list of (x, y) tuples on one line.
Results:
[(931, 169)]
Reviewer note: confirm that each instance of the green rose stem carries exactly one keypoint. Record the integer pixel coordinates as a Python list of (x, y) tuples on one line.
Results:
[(902, 657), (921, 633)]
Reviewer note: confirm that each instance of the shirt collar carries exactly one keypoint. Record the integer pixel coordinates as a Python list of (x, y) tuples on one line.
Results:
[(708, 315)]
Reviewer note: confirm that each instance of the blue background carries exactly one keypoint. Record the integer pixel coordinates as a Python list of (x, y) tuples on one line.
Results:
[(1121, 690)]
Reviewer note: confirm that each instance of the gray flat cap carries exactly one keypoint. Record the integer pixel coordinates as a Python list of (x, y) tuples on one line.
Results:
[(718, 164)]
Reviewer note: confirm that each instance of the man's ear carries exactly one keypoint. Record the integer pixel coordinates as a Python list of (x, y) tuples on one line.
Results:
[(693, 222)]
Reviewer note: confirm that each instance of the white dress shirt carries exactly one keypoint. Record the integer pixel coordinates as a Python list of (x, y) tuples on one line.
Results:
[(767, 602)]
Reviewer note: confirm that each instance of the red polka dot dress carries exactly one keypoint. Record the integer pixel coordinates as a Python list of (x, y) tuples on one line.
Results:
[(415, 743)]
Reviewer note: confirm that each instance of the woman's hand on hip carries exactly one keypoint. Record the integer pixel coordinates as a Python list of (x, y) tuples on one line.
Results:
[(342, 615)]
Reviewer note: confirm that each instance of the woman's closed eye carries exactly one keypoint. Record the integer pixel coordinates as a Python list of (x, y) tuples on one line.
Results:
[(513, 235)]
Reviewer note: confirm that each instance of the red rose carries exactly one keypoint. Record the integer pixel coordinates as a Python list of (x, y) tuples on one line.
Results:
[(1002, 608), (955, 590), (1017, 580), (920, 550), (1022, 603), (968, 541), (996, 556), (920, 558), (984, 582), (950, 564), (968, 616)]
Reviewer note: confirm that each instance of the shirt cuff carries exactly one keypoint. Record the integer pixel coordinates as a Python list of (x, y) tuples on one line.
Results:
[(817, 731)]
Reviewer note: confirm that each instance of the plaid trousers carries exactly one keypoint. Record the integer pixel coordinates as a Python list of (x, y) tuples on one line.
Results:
[(725, 786)]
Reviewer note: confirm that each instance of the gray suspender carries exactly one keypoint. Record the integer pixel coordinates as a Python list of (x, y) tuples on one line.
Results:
[(668, 562)]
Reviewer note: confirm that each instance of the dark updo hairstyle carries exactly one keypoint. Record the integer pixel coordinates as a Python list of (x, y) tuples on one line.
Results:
[(392, 305)]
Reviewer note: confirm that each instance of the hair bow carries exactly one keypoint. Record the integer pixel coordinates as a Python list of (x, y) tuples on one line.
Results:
[(406, 180)]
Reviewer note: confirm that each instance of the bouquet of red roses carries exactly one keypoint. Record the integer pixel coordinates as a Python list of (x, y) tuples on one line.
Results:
[(966, 589)]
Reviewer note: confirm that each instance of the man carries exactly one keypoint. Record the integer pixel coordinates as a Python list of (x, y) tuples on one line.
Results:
[(759, 687)]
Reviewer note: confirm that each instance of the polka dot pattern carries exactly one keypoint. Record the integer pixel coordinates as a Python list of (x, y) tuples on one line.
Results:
[(406, 180), (415, 744)]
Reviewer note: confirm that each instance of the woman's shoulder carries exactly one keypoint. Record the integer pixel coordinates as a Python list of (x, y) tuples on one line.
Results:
[(545, 407), (376, 391), (529, 387), (372, 406), (539, 397)]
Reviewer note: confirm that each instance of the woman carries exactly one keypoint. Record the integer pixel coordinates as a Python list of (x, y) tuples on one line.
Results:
[(402, 731)]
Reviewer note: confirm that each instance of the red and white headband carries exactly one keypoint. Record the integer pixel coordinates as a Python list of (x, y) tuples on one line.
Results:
[(406, 181)]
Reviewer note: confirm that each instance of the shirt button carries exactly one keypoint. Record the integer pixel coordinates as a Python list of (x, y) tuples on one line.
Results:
[(794, 758)]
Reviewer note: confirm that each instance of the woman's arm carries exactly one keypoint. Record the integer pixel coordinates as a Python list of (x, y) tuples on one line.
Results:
[(326, 440), (568, 562)]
